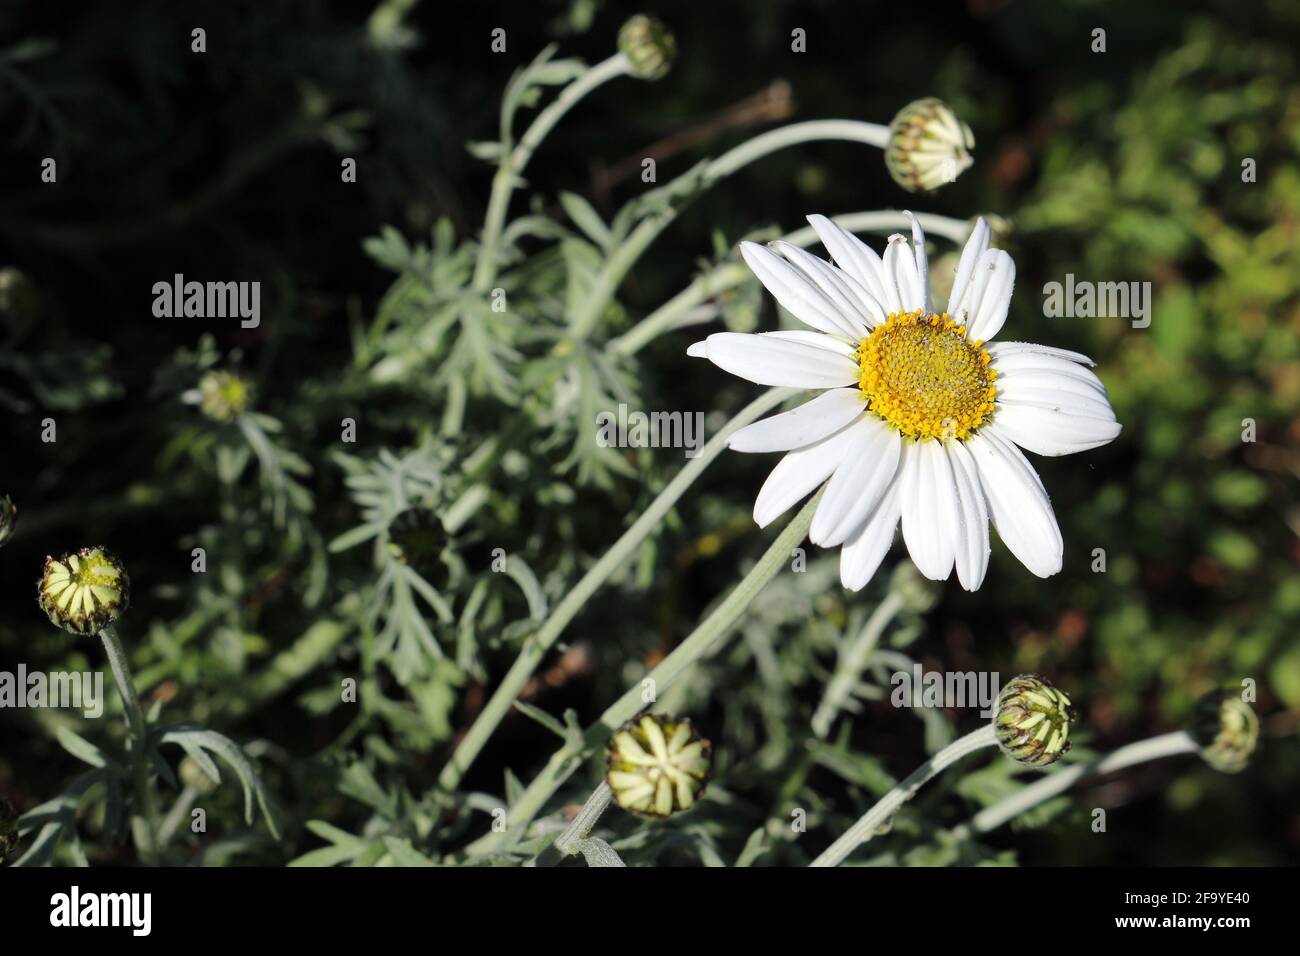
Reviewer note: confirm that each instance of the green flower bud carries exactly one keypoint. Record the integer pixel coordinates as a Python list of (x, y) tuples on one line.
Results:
[(196, 778), (8, 518), (928, 146), (646, 42), (657, 765), (224, 396), (1227, 730), (8, 829), (84, 591), (1032, 723)]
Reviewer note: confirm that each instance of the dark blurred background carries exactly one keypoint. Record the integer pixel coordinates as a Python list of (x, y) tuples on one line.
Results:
[(1123, 165)]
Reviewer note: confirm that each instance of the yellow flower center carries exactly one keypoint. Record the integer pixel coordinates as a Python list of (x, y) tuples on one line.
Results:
[(920, 374)]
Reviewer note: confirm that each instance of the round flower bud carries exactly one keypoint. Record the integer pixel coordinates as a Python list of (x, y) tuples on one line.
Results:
[(928, 146), (85, 591), (224, 396), (1227, 730), (1032, 723), (657, 765), (8, 829), (648, 45), (196, 778), (8, 518)]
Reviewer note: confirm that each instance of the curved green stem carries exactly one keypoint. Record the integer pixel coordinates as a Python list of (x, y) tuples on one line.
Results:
[(700, 643), (1153, 748), (692, 183), (512, 167), (535, 648), (871, 821)]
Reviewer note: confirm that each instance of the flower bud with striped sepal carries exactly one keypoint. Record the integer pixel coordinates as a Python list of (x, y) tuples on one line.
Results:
[(928, 146), (1226, 729), (1032, 723)]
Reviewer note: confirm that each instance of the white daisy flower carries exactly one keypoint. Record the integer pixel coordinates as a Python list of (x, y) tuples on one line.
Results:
[(917, 419)]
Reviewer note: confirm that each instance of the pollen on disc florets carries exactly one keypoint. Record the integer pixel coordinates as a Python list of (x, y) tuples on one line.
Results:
[(920, 374), (1032, 723), (84, 591), (657, 765)]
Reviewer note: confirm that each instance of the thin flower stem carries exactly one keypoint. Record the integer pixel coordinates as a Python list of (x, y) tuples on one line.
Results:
[(1153, 748), (701, 642), (513, 166), (117, 662), (535, 648), (617, 265), (597, 803), (871, 821), (852, 662)]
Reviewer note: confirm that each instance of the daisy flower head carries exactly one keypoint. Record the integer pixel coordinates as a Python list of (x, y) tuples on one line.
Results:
[(918, 418)]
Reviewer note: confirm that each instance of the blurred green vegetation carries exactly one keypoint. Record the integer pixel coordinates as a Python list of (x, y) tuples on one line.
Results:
[(1116, 166)]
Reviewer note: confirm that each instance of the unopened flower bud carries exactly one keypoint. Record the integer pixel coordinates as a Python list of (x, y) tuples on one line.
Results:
[(1032, 723), (1227, 730), (648, 45), (657, 765), (928, 146), (84, 591), (224, 396)]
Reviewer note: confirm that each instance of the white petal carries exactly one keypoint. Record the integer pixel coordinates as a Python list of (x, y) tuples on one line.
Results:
[(1040, 386), (1014, 364), (972, 545), (1047, 431), (858, 305), (817, 340), (698, 350), (795, 291), (900, 272), (997, 349), (859, 482), (990, 295), (798, 474), (812, 421), (852, 255), (970, 255), (929, 509), (1018, 503), (922, 260), (861, 556), (769, 359)]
